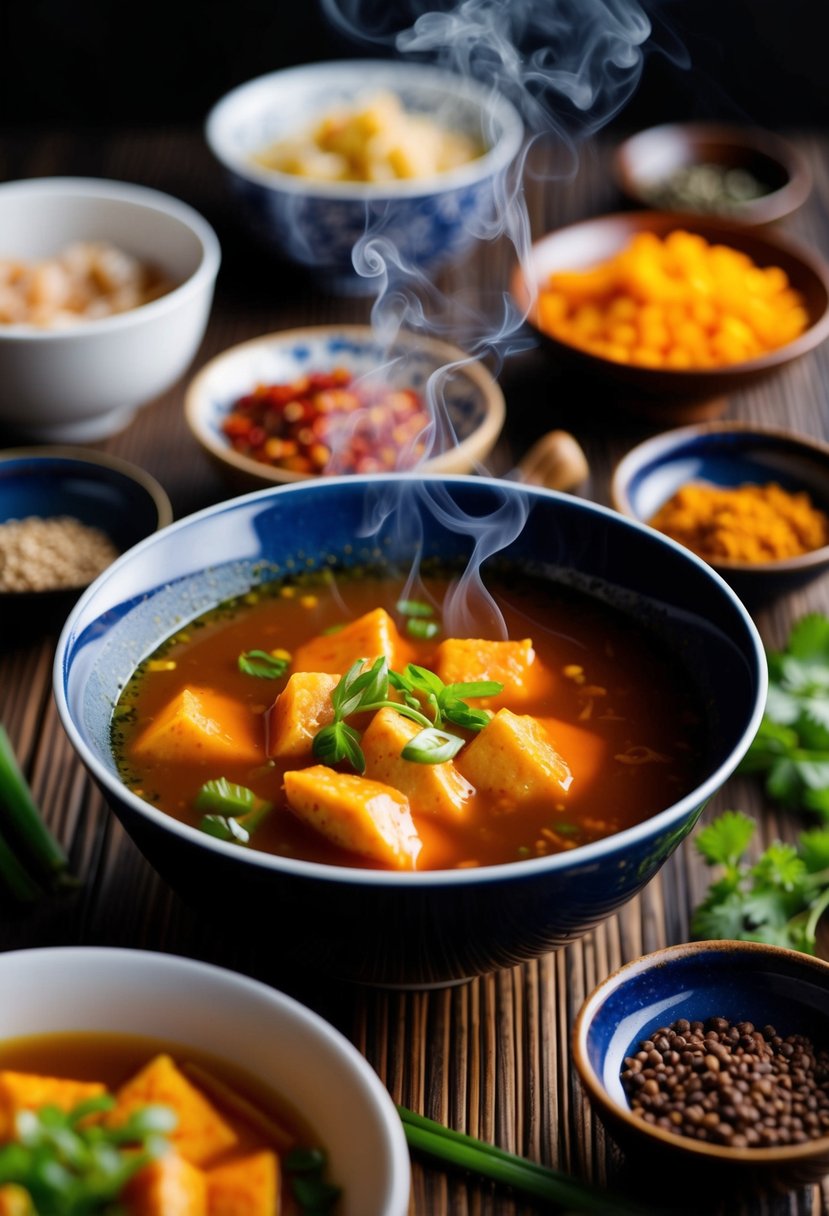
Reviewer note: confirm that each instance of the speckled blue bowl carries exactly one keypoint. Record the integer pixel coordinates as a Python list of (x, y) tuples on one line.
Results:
[(425, 222), (741, 981), (730, 454), (437, 927)]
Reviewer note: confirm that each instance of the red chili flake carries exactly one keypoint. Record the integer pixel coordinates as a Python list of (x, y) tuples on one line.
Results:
[(324, 422)]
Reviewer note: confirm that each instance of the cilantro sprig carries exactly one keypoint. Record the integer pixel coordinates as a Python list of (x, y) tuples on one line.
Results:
[(791, 748), (424, 698), (778, 898), (73, 1165)]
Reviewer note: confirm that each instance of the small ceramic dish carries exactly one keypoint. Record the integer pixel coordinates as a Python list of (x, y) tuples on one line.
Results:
[(99, 491), (470, 404), (747, 173), (738, 981), (671, 396), (730, 454), (81, 381), (180, 1004)]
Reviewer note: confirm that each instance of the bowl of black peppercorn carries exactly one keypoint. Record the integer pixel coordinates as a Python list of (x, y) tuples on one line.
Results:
[(712, 1058)]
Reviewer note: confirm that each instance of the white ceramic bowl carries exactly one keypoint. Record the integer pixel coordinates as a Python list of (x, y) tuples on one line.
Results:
[(85, 382), (469, 401), (423, 222), (234, 1018)]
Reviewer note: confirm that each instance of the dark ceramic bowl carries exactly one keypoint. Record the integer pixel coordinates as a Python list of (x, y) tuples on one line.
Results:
[(646, 164), (407, 928), (730, 454), (741, 981), (663, 394), (99, 490)]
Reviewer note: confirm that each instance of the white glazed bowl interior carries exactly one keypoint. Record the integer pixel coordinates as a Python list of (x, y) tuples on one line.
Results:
[(465, 429), (250, 1025), (84, 382)]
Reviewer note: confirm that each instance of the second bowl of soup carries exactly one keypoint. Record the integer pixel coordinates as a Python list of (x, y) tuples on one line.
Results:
[(437, 726)]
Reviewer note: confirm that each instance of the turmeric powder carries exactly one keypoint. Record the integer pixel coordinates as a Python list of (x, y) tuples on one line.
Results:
[(673, 302), (747, 523)]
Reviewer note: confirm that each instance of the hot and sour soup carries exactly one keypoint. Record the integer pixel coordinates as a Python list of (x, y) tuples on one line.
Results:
[(586, 726)]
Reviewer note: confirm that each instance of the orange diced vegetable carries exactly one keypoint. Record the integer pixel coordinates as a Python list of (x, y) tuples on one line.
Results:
[(437, 789), (301, 709), (201, 1133), (245, 1186), (512, 759), (170, 1186), (200, 724), (14, 1201), (370, 636), (359, 814), (29, 1091), (513, 664)]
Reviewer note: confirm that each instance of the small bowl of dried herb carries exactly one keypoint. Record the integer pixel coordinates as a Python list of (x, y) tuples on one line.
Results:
[(744, 172), (751, 500), (65, 515), (713, 1057)]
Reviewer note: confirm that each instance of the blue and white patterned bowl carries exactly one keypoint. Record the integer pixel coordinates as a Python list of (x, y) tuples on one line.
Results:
[(467, 404), (413, 929), (423, 222)]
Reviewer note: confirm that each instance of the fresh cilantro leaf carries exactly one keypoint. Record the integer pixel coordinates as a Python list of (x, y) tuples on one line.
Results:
[(725, 840)]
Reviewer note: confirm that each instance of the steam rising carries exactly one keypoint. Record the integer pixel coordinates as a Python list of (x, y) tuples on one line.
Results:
[(568, 66)]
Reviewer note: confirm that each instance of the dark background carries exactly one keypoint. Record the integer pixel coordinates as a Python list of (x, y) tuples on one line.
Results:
[(102, 62)]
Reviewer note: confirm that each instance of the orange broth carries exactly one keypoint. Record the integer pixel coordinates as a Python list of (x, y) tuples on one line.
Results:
[(615, 705), (112, 1059)]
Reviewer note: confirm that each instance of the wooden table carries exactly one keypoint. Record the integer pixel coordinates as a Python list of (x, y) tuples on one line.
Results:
[(490, 1057)]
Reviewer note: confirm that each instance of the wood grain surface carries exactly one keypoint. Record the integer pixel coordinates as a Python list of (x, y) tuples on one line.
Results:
[(490, 1057)]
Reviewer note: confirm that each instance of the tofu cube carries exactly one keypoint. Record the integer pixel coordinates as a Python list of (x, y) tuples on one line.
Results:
[(367, 637), (200, 724), (356, 813), (513, 760), (201, 1133), (513, 664), (170, 1186), (245, 1186), (301, 709), (29, 1091), (434, 789)]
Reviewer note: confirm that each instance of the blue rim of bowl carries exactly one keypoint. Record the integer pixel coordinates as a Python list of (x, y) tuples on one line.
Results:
[(87, 458), (142, 196), (492, 161), (665, 442), (586, 854), (467, 365), (699, 1148)]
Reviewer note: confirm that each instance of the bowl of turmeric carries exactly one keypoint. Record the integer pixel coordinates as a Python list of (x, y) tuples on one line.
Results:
[(671, 314), (750, 500)]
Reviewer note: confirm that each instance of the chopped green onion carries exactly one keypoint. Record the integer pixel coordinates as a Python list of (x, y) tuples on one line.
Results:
[(432, 746), (419, 628), (414, 608), (262, 664), (224, 827), (222, 797)]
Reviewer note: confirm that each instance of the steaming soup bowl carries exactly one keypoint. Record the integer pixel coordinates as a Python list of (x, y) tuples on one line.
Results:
[(350, 235), (408, 929)]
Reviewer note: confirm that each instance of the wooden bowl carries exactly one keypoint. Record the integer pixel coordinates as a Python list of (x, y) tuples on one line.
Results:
[(662, 394), (645, 166)]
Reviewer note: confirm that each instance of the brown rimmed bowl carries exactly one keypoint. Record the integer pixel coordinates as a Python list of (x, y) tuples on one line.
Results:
[(740, 981), (644, 164), (464, 400), (661, 394)]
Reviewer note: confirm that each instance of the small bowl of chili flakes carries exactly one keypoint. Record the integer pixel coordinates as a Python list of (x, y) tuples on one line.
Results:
[(333, 400)]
